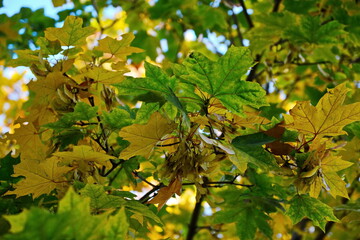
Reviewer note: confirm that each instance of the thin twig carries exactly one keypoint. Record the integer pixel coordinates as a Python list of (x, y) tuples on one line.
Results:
[(246, 14), (236, 21), (142, 178), (146, 196)]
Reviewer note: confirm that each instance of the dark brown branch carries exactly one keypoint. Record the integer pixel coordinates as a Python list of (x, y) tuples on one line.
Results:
[(114, 165), (252, 73), (146, 196), (276, 5), (106, 147), (143, 179), (194, 219), (219, 184), (167, 145), (247, 16), (236, 21), (111, 180)]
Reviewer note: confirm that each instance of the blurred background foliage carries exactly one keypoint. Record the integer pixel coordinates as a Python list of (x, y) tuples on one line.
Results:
[(301, 47)]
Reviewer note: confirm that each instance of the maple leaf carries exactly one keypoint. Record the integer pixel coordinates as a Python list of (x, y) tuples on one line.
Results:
[(118, 48), (31, 146), (166, 193), (71, 34), (40, 178), (328, 117), (304, 206), (221, 79), (104, 76), (45, 88), (143, 138), (320, 170), (84, 154), (329, 166)]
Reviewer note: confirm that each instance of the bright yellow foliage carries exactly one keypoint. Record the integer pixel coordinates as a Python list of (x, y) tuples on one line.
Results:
[(328, 117), (40, 178)]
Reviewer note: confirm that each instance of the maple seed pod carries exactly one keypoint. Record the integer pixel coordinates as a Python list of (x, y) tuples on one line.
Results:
[(71, 92), (63, 96)]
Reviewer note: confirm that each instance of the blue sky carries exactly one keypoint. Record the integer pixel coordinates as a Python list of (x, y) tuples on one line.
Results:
[(13, 6)]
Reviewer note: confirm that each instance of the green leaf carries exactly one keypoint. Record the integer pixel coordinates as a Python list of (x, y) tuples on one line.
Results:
[(71, 34), (156, 81), (136, 207), (252, 140), (6, 167), (48, 47), (249, 148), (83, 112), (117, 226), (311, 30), (99, 199), (304, 206), (221, 79), (117, 119), (37, 224), (144, 113), (247, 219)]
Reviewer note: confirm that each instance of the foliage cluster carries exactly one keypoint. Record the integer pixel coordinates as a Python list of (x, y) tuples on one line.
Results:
[(124, 113)]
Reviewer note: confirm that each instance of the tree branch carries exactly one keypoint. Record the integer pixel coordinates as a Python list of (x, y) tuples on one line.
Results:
[(252, 73), (236, 21), (321, 235), (143, 179), (247, 16), (276, 5), (194, 219), (146, 196)]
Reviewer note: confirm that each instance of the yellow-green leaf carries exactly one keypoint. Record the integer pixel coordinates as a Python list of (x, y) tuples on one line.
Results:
[(119, 48), (143, 138), (71, 34), (83, 154), (105, 76), (39, 178), (328, 117)]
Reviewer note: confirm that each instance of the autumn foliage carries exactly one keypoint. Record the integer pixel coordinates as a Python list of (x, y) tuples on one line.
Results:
[(123, 138)]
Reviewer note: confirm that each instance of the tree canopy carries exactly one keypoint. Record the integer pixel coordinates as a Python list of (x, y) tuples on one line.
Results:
[(182, 119)]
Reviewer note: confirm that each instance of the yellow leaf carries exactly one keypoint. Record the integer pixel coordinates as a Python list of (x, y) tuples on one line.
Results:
[(328, 117), (143, 138), (310, 173), (320, 170), (31, 146), (335, 185), (105, 76), (58, 3), (351, 152), (39, 178), (250, 121), (334, 164), (45, 88), (71, 34), (7, 30), (82, 155), (332, 182), (315, 187), (119, 48)]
